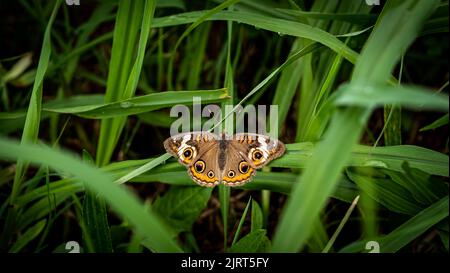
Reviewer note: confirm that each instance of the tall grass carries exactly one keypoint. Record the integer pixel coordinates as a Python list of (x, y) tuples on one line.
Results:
[(87, 145)]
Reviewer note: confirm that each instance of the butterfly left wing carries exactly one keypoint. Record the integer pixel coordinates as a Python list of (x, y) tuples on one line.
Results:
[(198, 152), (237, 169), (258, 149), (247, 153)]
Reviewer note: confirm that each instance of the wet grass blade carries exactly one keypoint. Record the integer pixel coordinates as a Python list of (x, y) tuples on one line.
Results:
[(281, 26), (354, 18), (392, 157), (136, 105)]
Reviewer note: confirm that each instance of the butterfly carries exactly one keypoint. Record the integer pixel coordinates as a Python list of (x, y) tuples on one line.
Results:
[(211, 159)]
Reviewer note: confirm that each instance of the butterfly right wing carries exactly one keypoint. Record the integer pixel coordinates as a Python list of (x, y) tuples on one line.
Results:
[(237, 170)]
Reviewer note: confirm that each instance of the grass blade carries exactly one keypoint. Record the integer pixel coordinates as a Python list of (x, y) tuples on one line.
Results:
[(385, 45), (28, 236), (408, 231), (436, 124), (123, 74), (257, 216), (95, 219), (341, 226), (135, 105), (196, 22), (121, 200), (370, 96), (32, 121), (241, 222)]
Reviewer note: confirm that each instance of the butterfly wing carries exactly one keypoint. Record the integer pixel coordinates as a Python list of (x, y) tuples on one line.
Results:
[(211, 160), (198, 152), (245, 154), (205, 169), (258, 149), (237, 169)]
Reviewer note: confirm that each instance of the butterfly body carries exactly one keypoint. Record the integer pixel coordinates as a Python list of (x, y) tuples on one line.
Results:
[(232, 160)]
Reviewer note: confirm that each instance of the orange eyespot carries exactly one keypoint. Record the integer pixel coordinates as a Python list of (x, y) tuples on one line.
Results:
[(243, 167), (199, 166), (188, 153)]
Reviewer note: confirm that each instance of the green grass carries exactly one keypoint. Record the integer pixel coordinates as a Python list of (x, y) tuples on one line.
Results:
[(362, 93)]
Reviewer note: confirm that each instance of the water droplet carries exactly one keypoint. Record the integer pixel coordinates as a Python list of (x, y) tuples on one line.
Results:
[(126, 104), (375, 163)]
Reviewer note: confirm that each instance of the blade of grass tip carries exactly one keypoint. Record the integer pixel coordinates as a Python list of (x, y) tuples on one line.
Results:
[(443, 87), (436, 124), (189, 30), (256, 217), (241, 222), (341, 225), (144, 168), (134, 246)]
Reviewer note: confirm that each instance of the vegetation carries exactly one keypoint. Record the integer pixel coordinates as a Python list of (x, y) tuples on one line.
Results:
[(85, 96)]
